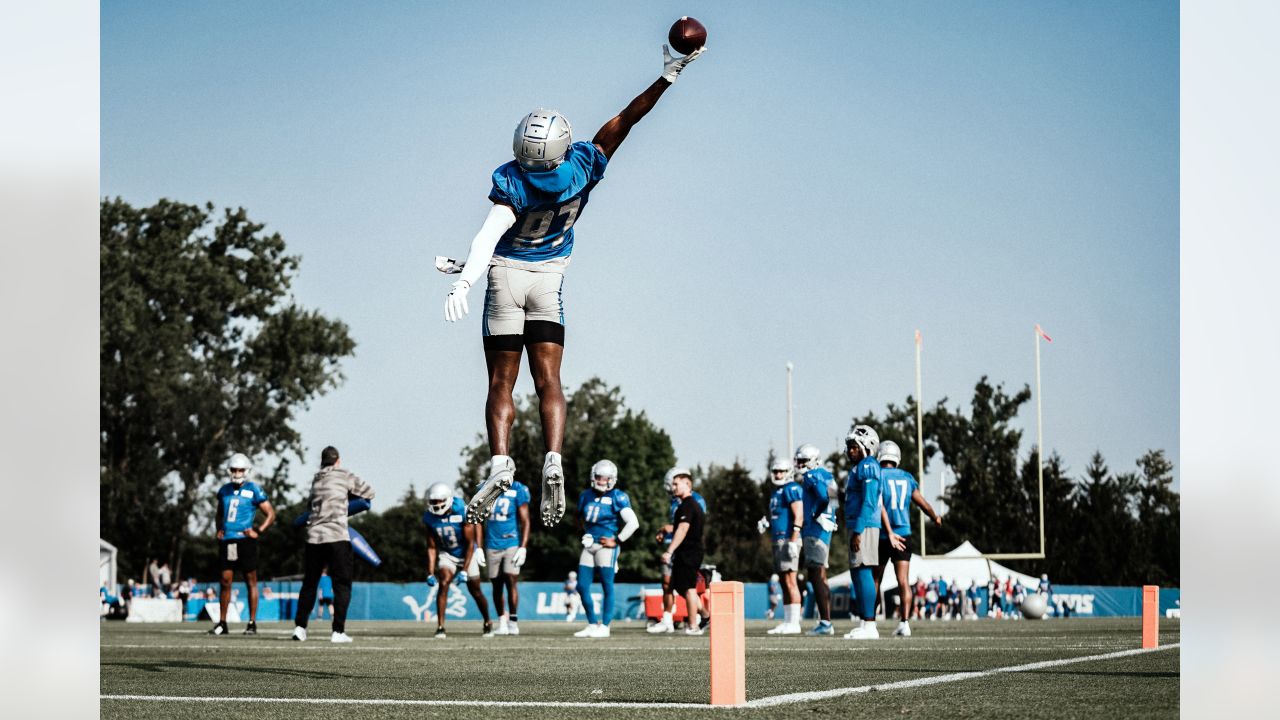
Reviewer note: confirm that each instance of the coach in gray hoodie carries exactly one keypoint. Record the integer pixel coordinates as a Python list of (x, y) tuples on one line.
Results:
[(328, 544)]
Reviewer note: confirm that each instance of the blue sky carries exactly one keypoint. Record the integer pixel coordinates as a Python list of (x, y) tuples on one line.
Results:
[(828, 178)]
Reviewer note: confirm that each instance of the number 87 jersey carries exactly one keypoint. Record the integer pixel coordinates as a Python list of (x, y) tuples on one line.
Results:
[(546, 203)]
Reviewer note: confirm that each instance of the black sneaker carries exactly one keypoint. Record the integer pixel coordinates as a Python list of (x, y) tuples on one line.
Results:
[(704, 623), (440, 633), (219, 629), (252, 629), (488, 630)]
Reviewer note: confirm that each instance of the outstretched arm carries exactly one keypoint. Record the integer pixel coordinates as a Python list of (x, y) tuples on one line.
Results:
[(612, 133)]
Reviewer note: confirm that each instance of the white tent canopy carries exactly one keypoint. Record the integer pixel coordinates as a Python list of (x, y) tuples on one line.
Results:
[(963, 565), (106, 564)]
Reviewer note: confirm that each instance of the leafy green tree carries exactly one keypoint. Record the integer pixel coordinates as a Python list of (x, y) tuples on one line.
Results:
[(202, 352), (733, 543), (598, 426), (1104, 528)]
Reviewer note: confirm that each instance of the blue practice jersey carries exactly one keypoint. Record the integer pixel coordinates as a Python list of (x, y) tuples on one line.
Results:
[(236, 507), (447, 528), (780, 520), (670, 535), (502, 529), (816, 485), (862, 496), (897, 487), (601, 512), (775, 588), (546, 204)]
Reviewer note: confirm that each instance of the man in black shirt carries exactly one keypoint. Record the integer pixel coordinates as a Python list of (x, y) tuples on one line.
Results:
[(685, 553)]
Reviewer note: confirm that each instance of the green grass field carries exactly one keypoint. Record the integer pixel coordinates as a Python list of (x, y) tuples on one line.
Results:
[(394, 661)]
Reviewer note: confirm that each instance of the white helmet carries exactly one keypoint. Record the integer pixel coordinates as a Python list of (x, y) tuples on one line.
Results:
[(807, 457), (439, 498), (239, 461), (865, 438), (542, 139), (889, 452), (668, 481), (604, 475), (780, 465)]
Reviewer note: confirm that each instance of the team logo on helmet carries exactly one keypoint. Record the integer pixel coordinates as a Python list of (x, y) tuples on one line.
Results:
[(864, 437), (542, 139), (439, 498), (604, 475)]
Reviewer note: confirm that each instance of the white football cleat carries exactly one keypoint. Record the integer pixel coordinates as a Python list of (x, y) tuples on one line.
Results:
[(691, 630), (787, 629), (300, 633), (660, 628), (340, 637), (552, 506), (865, 631), (601, 631), (513, 628), (502, 474), (903, 630), (586, 632), (503, 628)]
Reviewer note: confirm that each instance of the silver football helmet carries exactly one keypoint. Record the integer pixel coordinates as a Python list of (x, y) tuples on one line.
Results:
[(542, 139), (668, 480), (439, 498), (780, 465), (865, 438), (889, 452), (604, 475), (807, 457), (239, 461)]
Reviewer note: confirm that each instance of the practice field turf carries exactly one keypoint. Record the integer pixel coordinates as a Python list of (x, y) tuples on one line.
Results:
[(397, 670)]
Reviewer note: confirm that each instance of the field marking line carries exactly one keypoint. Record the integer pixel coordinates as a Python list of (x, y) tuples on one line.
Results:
[(771, 701), (939, 679)]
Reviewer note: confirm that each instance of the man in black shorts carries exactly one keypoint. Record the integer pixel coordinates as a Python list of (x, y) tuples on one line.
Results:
[(685, 553), (899, 490)]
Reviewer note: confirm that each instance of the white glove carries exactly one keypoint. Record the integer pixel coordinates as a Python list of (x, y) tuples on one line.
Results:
[(455, 306), (673, 66), (448, 265), (763, 525), (518, 557), (588, 541), (827, 524), (480, 558), (462, 576), (793, 550)]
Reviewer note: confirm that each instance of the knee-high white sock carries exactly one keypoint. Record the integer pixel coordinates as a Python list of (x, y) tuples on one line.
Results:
[(793, 614)]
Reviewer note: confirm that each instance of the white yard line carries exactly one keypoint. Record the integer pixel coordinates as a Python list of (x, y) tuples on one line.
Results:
[(774, 700)]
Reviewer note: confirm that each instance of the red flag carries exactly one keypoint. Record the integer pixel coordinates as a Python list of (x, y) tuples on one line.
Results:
[(917, 337), (1042, 334)]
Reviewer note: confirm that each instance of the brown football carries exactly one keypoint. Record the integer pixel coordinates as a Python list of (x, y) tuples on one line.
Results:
[(687, 35)]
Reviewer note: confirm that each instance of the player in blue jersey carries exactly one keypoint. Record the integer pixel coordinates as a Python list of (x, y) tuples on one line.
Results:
[(506, 542), (899, 490), (601, 508), (664, 536), (815, 531), (863, 517), (451, 544), (523, 247), (783, 523), (238, 503)]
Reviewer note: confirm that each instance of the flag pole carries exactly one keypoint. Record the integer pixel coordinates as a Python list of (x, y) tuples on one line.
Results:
[(920, 442), (1039, 438), (791, 440)]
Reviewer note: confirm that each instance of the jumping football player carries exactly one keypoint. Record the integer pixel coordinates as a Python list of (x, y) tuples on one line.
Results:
[(862, 511), (524, 247), (506, 542), (238, 502), (451, 543), (818, 525), (786, 514), (600, 508), (898, 490), (666, 624)]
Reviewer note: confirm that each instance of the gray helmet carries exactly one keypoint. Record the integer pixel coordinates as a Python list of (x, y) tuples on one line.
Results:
[(889, 452), (780, 465), (240, 461), (865, 438), (668, 480), (807, 457), (608, 471), (542, 139), (439, 498)]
